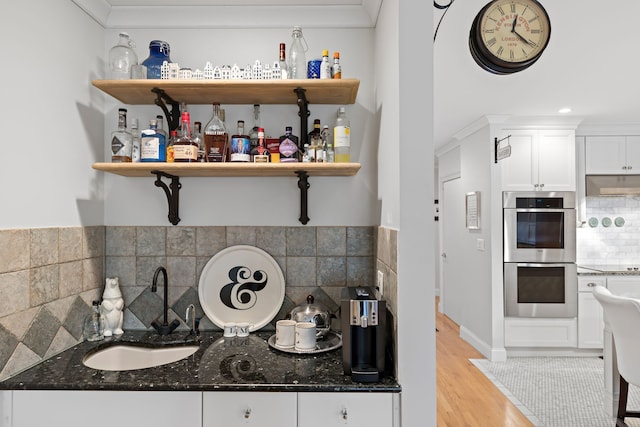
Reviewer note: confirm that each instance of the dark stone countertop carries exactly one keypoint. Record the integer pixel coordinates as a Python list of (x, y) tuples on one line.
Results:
[(220, 364), (608, 270)]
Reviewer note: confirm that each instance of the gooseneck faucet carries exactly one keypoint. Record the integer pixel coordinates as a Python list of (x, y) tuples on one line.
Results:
[(163, 328)]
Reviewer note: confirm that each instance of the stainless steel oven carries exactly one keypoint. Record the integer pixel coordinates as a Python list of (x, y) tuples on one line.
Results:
[(540, 289), (539, 226)]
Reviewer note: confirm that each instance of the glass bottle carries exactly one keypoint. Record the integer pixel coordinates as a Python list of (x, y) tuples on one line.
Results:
[(153, 146), (185, 149), (159, 52), (288, 146), (260, 154), (135, 141), (284, 67), (215, 138), (297, 55), (121, 143), (342, 137), (253, 134), (240, 147), (327, 145), (173, 137), (337, 68), (160, 122), (315, 142), (325, 66), (122, 57), (198, 139), (93, 327)]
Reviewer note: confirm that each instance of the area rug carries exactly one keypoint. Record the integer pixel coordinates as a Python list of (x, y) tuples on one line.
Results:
[(556, 391)]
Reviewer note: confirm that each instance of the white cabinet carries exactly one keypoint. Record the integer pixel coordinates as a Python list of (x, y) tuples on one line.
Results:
[(607, 155), (540, 160), (106, 408), (627, 286), (590, 316), (345, 409), (261, 409)]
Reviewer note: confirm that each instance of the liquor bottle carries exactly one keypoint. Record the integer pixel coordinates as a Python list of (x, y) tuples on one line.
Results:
[(153, 144), (315, 141), (253, 134), (288, 146), (273, 145), (185, 149), (135, 141), (215, 138), (336, 69), (297, 56), (170, 145), (161, 129), (260, 154), (342, 137), (284, 67), (240, 148), (325, 66), (327, 145), (93, 327), (121, 143), (197, 138)]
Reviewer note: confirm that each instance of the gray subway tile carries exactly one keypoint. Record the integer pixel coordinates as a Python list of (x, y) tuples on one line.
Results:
[(332, 241), (69, 244), (94, 241), (360, 241), (43, 285), (181, 241), (120, 241), (15, 250), (241, 236), (44, 246), (151, 241), (332, 271), (210, 240), (301, 241), (273, 240), (301, 271), (181, 271), (360, 271), (70, 279), (14, 292), (92, 273)]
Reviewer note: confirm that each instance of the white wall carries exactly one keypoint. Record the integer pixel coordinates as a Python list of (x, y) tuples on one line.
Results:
[(51, 51)]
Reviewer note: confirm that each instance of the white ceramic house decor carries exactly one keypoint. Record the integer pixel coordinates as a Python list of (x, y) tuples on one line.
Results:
[(112, 307)]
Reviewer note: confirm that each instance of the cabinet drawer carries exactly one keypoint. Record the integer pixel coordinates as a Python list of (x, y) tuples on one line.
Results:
[(587, 283), (259, 409), (340, 409)]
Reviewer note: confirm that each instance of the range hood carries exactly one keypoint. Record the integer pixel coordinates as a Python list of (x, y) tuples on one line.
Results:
[(613, 185)]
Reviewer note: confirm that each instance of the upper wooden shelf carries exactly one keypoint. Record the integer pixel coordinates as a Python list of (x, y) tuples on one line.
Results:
[(229, 169), (338, 91)]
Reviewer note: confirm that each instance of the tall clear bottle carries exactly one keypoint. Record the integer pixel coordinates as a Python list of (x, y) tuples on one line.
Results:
[(121, 143), (122, 57), (327, 145), (135, 141), (198, 139), (253, 133), (342, 137), (216, 138), (284, 67), (297, 55)]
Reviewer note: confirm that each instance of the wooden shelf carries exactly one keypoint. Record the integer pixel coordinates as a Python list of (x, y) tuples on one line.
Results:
[(338, 91), (229, 169)]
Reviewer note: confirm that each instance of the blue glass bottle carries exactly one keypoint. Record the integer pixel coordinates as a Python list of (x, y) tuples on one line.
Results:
[(153, 146), (158, 53)]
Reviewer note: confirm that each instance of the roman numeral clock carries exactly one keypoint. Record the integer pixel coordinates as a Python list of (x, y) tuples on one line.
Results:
[(508, 36)]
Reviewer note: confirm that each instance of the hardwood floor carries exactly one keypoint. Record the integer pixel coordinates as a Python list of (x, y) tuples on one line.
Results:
[(465, 397)]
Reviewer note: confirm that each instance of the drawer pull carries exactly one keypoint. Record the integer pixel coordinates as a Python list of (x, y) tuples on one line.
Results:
[(592, 285), (247, 413), (345, 415)]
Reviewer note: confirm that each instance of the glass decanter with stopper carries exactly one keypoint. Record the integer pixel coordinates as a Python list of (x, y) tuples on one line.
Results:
[(215, 138)]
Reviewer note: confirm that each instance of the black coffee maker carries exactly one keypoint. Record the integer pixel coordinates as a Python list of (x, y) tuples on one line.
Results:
[(363, 332)]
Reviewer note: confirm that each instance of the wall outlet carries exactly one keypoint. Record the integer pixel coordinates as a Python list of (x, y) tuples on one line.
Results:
[(480, 244), (380, 282)]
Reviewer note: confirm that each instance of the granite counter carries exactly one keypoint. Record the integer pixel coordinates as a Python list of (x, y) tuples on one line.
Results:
[(220, 364)]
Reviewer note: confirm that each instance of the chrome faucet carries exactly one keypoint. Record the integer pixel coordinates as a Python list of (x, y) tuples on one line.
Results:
[(190, 317), (163, 328)]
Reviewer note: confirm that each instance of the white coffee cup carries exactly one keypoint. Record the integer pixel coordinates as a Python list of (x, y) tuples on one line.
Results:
[(305, 336), (230, 329), (243, 329), (285, 333)]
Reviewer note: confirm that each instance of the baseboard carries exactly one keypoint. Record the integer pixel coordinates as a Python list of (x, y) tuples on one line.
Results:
[(493, 354)]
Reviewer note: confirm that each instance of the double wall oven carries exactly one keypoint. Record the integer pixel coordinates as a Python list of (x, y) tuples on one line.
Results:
[(540, 277)]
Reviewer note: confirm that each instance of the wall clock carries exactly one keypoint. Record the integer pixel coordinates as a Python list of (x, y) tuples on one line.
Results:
[(508, 36)]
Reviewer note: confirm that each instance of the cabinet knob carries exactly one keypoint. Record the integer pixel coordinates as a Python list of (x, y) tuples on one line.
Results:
[(624, 168), (536, 185), (592, 285), (345, 415), (541, 185), (247, 413), (629, 167)]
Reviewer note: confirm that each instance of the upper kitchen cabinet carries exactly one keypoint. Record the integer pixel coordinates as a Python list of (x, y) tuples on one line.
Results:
[(541, 160), (612, 155)]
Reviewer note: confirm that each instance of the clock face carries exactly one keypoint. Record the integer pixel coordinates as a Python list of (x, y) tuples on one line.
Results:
[(509, 35)]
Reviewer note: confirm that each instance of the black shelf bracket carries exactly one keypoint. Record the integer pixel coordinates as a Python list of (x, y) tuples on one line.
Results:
[(162, 99), (303, 185), (173, 194), (304, 113)]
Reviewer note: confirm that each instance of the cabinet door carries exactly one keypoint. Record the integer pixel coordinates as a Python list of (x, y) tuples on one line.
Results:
[(556, 160), (340, 409), (107, 408), (627, 286), (633, 154), (260, 409), (518, 173), (605, 155), (590, 321)]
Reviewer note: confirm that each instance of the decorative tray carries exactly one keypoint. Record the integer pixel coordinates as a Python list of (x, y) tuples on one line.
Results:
[(330, 342)]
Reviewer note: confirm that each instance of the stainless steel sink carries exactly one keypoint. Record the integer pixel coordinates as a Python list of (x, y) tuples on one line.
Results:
[(130, 356)]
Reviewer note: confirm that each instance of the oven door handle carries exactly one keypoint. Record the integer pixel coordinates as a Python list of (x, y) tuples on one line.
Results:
[(536, 264), (539, 210)]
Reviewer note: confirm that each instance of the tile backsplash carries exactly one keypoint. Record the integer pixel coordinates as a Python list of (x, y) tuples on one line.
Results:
[(50, 276), (617, 243)]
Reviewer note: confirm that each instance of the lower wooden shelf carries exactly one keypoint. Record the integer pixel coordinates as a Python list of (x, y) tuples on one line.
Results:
[(228, 169)]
